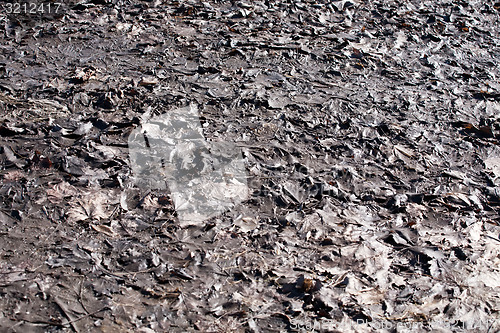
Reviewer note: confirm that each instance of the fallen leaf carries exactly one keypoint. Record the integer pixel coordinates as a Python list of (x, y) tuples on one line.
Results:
[(104, 229)]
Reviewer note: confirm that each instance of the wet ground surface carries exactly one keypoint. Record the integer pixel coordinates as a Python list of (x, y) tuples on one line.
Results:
[(369, 132)]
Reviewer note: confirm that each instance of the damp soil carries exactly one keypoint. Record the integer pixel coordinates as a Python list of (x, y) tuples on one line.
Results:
[(369, 132)]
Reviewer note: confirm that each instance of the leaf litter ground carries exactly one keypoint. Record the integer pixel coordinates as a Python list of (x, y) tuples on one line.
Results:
[(370, 136)]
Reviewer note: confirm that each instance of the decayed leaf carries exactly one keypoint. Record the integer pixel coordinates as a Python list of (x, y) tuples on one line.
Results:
[(14, 175), (104, 229), (94, 206), (60, 191), (405, 151), (245, 223), (11, 157), (148, 81)]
